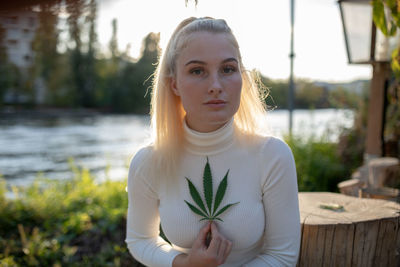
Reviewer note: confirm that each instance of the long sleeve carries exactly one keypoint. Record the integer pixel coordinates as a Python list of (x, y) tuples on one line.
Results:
[(280, 199), (142, 237)]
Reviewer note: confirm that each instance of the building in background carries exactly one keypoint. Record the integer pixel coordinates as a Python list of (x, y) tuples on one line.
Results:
[(19, 28)]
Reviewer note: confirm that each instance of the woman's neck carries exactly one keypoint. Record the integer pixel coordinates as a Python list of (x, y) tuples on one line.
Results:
[(211, 142)]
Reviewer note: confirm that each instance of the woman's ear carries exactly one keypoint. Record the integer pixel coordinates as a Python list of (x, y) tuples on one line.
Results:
[(174, 87)]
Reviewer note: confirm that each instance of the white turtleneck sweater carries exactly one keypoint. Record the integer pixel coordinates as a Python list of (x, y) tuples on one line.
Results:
[(264, 227)]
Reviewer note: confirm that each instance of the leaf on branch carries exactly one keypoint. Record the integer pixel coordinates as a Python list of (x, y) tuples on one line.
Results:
[(208, 195), (225, 208), (208, 186), (384, 21), (196, 210), (221, 192), (396, 18), (379, 16), (395, 62), (196, 196), (391, 4)]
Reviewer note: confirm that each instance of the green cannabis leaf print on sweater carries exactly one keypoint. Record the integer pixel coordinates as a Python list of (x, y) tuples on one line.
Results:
[(208, 210)]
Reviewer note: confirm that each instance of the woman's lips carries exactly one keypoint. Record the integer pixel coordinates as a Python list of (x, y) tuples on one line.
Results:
[(216, 103)]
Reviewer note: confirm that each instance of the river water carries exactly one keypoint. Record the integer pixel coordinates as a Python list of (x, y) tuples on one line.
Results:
[(104, 144)]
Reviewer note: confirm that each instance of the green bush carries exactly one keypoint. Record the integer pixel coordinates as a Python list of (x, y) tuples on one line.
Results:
[(75, 222), (319, 167)]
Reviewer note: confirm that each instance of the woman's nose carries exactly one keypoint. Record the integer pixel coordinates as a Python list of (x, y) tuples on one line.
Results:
[(215, 84)]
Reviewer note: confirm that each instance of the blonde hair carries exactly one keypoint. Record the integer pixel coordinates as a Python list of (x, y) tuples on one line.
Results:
[(167, 113)]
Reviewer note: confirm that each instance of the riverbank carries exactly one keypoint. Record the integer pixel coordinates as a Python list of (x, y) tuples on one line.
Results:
[(57, 112), (43, 142), (48, 112)]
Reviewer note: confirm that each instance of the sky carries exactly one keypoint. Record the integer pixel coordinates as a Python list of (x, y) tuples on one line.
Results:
[(262, 28)]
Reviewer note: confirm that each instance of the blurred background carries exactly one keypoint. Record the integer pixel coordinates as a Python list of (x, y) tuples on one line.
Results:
[(72, 71), (75, 77)]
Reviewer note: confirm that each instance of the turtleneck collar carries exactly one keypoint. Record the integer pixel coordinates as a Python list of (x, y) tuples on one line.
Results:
[(207, 144)]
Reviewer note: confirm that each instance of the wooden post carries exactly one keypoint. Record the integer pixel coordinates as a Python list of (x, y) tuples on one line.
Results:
[(374, 144)]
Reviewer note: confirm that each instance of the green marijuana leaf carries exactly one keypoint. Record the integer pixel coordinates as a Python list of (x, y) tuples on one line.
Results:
[(207, 185), (196, 196), (195, 210), (221, 191), (225, 208), (208, 214)]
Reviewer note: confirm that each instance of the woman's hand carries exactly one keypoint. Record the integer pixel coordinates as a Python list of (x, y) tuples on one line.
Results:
[(200, 255)]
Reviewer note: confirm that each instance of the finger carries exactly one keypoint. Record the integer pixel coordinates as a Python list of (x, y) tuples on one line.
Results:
[(228, 249), (214, 228), (214, 245), (201, 237), (222, 248), (204, 230), (215, 239)]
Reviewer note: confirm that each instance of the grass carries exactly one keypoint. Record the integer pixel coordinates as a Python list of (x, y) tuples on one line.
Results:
[(74, 222)]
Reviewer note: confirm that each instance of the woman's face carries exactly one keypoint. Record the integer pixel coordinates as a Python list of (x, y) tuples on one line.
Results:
[(208, 80)]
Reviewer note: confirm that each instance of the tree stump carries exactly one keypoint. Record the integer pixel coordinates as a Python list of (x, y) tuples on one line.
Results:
[(340, 230), (387, 193), (350, 187), (377, 170)]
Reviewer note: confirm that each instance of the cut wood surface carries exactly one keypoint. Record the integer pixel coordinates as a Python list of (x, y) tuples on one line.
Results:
[(377, 169), (351, 187), (340, 230)]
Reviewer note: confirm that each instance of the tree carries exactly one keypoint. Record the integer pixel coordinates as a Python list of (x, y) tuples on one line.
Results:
[(75, 9), (134, 79), (310, 96), (82, 20), (4, 78), (278, 91), (10, 75), (113, 45), (344, 98), (90, 72), (386, 16), (46, 65)]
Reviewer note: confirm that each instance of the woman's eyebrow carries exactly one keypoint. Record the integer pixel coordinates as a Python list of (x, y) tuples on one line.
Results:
[(204, 63), (195, 62), (230, 59)]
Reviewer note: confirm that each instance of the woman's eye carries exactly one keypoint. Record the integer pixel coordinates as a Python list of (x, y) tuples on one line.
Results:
[(196, 71), (228, 69)]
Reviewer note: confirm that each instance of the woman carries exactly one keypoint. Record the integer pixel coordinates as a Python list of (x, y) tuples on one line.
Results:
[(206, 115)]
